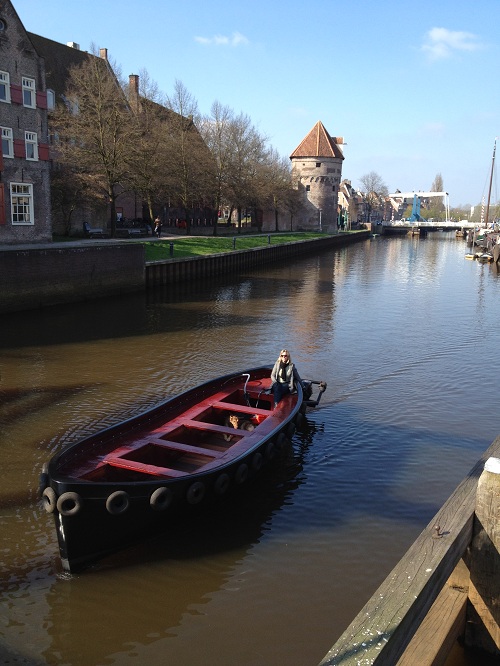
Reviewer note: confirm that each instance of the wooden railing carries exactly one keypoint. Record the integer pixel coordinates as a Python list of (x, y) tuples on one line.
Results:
[(446, 586)]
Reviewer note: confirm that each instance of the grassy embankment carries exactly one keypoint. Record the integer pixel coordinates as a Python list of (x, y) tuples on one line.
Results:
[(187, 246)]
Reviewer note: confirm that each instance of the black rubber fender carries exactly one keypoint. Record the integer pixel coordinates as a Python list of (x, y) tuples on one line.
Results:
[(196, 492), (161, 498), (49, 500), (282, 441), (241, 474), (69, 504), (118, 502), (270, 450), (222, 483), (257, 461)]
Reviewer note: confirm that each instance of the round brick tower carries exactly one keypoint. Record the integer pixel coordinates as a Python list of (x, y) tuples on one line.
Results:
[(317, 172)]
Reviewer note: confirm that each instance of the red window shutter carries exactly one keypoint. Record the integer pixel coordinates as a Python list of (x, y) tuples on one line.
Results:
[(16, 94), (3, 217), (19, 149), (43, 151), (41, 100)]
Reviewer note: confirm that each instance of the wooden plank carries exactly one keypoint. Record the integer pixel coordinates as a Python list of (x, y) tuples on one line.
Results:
[(242, 409), (483, 622), (213, 427), (134, 466), (443, 624), (384, 627), (188, 448)]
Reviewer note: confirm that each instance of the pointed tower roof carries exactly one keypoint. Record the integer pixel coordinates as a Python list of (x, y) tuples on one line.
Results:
[(318, 143)]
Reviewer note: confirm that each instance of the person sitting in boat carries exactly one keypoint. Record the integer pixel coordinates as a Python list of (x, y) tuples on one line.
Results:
[(284, 375)]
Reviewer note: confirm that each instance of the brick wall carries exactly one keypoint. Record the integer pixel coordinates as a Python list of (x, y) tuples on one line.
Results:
[(34, 278)]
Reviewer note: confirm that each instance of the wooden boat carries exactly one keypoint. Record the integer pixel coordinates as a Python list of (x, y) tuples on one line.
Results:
[(126, 482)]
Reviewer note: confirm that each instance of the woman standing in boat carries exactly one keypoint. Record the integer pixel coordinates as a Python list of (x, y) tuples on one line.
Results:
[(284, 375)]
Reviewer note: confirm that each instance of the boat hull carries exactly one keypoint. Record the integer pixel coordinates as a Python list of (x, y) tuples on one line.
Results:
[(135, 479)]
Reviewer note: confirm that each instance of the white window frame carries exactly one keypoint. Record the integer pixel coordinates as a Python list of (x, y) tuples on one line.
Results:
[(5, 87), (21, 204), (8, 137), (31, 146), (51, 99), (29, 92)]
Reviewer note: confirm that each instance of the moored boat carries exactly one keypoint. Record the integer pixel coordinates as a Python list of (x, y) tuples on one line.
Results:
[(125, 483)]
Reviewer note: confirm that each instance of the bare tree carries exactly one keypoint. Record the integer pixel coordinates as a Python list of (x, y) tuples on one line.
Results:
[(248, 155), (373, 189), (190, 164), (437, 184), (216, 131), (94, 129), (148, 155)]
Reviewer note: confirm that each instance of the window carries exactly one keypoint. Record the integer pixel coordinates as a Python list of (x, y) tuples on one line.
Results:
[(7, 142), (21, 203), (51, 99), (29, 97), (31, 141), (318, 164), (4, 87)]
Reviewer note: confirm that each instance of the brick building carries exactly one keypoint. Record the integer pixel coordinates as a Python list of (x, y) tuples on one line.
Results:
[(25, 214)]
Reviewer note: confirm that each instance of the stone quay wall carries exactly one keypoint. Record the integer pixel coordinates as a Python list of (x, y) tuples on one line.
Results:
[(36, 277), (170, 271)]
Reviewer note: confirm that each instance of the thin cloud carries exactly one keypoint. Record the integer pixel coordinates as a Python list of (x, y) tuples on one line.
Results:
[(236, 39), (440, 43)]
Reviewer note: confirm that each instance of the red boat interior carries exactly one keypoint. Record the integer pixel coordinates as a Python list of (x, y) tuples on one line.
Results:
[(210, 432)]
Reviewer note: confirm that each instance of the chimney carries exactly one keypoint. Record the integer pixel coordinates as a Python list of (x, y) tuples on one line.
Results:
[(133, 91), (73, 45), (103, 53)]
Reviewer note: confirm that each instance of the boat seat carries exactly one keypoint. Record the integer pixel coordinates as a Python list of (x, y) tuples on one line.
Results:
[(212, 427), (242, 409), (167, 444), (134, 466)]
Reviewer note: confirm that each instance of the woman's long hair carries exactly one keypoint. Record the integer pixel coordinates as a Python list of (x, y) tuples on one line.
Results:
[(285, 351)]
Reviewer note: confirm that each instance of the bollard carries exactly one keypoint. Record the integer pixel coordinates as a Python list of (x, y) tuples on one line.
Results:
[(234, 243), (171, 249), (483, 615)]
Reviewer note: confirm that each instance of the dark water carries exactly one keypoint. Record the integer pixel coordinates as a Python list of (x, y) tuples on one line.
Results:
[(403, 330)]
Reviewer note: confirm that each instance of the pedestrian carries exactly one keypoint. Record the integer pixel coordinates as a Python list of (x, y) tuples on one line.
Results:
[(158, 226)]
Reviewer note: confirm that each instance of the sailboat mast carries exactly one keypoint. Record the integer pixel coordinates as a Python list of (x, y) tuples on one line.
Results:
[(491, 181)]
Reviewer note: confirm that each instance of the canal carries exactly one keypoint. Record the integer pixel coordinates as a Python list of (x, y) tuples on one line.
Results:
[(403, 330)]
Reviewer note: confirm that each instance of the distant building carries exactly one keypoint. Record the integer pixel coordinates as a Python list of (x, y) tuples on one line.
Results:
[(317, 173), (25, 212)]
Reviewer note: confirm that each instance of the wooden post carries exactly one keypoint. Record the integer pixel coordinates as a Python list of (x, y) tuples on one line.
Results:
[(483, 616)]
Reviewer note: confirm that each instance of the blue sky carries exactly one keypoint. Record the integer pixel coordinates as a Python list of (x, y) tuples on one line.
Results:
[(412, 87)]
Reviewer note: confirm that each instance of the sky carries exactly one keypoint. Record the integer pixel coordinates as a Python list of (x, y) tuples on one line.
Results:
[(413, 88)]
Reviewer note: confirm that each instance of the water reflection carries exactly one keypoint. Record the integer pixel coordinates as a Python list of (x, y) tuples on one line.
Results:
[(403, 330)]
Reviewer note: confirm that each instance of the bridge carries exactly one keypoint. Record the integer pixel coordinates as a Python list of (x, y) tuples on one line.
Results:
[(416, 197)]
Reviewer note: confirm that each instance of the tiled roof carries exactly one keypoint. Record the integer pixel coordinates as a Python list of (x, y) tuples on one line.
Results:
[(59, 59), (318, 143)]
